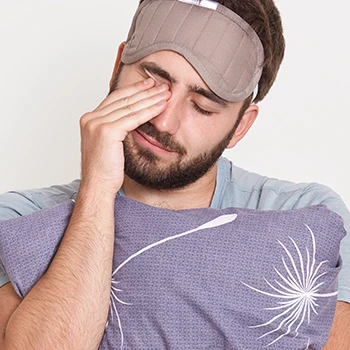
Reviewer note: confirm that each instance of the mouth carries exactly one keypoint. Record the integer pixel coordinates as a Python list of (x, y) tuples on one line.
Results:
[(150, 143)]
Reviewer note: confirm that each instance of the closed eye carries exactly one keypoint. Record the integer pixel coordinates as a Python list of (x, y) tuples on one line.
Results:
[(201, 110)]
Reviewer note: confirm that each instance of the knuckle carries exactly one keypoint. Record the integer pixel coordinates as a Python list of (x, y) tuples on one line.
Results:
[(132, 115), (150, 92), (125, 100), (104, 131), (129, 108), (85, 118), (90, 126)]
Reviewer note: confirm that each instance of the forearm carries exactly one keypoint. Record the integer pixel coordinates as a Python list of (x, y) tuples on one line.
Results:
[(339, 338), (68, 307)]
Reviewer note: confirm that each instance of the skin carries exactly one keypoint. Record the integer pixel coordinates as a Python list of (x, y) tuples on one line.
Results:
[(68, 307), (196, 132), (54, 315)]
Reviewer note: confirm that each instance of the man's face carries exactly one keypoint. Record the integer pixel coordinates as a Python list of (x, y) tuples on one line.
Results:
[(183, 143)]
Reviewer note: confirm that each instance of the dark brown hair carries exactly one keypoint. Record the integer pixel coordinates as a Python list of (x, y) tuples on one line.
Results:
[(264, 17)]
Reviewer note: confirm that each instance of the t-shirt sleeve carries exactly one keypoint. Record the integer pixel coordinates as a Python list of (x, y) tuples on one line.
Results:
[(3, 277), (12, 205), (20, 203), (244, 189)]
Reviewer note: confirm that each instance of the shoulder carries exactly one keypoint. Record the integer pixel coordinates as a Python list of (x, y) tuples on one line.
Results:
[(244, 189), (20, 203), (251, 190)]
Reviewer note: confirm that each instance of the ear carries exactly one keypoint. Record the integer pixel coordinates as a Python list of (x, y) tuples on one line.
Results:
[(247, 121), (117, 62)]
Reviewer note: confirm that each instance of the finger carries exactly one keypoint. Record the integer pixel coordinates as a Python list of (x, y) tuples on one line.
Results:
[(121, 127), (126, 91), (89, 116), (129, 101), (131, 109), (136, 102)]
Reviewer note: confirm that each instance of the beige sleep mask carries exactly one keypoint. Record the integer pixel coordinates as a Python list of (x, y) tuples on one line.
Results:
[(219, 44)]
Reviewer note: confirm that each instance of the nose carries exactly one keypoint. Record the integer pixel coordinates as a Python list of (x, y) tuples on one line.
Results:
[(170, 119)]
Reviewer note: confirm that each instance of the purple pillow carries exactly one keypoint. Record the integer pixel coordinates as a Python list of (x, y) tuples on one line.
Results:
[(201, 278)]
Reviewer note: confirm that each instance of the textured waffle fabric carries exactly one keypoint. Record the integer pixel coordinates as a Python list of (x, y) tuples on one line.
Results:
[(202, 278)]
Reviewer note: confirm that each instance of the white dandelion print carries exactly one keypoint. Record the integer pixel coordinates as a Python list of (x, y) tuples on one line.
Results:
[(115, 291), (296, 291)]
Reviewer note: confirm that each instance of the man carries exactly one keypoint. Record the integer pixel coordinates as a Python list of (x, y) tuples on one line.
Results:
[(157, 138)]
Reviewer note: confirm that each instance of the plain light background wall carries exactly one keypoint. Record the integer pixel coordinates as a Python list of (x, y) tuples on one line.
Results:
[(55, 64)]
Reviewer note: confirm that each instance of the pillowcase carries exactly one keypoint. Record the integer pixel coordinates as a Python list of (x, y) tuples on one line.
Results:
[(201, 278)]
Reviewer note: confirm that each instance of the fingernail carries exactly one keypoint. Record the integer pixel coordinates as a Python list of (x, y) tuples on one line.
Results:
[(148, 81), (161, 103)]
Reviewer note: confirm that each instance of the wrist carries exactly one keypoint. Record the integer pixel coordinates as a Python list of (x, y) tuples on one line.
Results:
[(94, 208), (97, 192)]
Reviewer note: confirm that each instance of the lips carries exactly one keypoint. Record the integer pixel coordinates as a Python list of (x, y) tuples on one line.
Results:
[(144, 138)]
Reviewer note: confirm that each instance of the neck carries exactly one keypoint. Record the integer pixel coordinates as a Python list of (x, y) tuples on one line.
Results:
[(197, 195)]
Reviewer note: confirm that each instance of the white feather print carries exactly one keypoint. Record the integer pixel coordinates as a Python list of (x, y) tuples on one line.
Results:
[(296, 291), (219, 221)]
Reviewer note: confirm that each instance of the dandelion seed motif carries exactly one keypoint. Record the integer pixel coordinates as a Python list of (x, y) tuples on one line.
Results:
[(114, 299), (298, 291)]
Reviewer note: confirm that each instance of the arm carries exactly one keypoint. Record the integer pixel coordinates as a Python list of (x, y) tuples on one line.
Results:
[(68, 307), (339, 338)]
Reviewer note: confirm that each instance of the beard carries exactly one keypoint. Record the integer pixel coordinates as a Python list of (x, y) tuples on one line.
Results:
[(144, 167)]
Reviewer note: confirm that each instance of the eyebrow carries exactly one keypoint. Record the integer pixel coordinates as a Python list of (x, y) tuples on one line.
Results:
[(210, 95), (156, 70)]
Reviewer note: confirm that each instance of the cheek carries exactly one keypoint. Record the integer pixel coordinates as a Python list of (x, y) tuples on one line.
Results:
[(198, 136), (209, 136)]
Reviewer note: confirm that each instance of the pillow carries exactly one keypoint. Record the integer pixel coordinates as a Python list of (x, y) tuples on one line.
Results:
[(201, 278)]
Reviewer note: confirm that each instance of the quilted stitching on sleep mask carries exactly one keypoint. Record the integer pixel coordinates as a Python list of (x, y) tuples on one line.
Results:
[(220, 45)]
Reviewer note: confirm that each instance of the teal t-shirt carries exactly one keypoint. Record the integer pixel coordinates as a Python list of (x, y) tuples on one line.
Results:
[(235, 187)]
